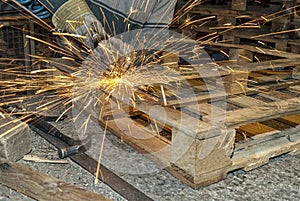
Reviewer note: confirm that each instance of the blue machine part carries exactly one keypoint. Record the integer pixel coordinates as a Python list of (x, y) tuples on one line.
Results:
[(36, 8)]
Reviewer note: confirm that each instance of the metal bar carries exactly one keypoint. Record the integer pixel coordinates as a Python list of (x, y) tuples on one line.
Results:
[(119, 185)]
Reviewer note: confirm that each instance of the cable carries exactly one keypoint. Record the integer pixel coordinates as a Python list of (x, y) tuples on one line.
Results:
[(36, 8)]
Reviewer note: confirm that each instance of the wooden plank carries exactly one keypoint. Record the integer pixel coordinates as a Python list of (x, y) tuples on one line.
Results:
[(206, 110), (272, 78), (240, 56), (255, 129), (264, 112), (220, 95), (291, 120), (276, 95), (256, 66), (245, 101), (215, 95), (177, 120), (295, 89), (144, 139), (257, 154), (40, 186), (261, 50)]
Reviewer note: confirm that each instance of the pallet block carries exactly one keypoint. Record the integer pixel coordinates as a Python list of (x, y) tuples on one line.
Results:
[(296, 73), (239, 5), (15, 139)]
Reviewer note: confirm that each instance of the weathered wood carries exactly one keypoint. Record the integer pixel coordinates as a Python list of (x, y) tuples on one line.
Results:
[(256, 66), (276, 95), (220, 95), (170, 60), (240, 56), (260, 50), (15, 138), (281, 45), (264, 112), (40, 186), (295, 89), (239, 5), (203, 161), (272, 78), (255, 129), (291, 120), (259, 152), (245, 101), (296, 73), (236, 82), (146, 140), (206, 110)]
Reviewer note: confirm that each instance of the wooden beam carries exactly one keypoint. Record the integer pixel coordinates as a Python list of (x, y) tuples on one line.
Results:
[(40, 186)]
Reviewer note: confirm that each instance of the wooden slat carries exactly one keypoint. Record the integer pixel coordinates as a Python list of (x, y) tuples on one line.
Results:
[(255, 129), (215, 95), (276, 95), (141, 138), (295, 89), (264, 112), (250, 156), (245, 101), (206, 110), (203, 109), (187, 124), (291, 120), (40, 186), (220, 95), (272, 78), (260, 50)]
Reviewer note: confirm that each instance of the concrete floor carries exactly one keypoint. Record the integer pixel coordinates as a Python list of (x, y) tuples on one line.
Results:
[(279, 180)]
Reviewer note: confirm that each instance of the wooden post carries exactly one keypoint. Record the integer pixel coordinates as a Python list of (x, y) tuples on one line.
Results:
[(282, 45), (296, 73), (224, 21), (236, 82), (171, 60), (15, 139), (239, 5), (203, 161), (240, 56)]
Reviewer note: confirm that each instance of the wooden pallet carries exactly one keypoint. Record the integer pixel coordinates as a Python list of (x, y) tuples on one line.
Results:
[(200, 138), (256, 25)]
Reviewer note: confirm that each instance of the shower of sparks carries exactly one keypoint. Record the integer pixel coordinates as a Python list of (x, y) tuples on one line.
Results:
[(50, 85)]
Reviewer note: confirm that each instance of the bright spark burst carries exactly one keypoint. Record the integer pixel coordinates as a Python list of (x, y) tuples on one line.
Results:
[(49, 84)]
